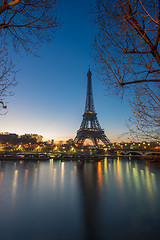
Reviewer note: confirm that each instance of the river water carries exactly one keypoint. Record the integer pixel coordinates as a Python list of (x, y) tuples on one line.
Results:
[(53, 200)]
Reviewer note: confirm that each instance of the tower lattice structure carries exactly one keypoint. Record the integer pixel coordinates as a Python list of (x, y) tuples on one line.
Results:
[(90, 127)]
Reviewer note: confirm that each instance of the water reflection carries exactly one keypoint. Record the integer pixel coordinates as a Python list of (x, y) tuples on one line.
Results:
[(1, 178), (100, 176), (62, 175), (14, 185), (54, 177), (128, 175), (119, 174), (35, 178), (25, 177), (90, 178), (127, 184), (75, 200)]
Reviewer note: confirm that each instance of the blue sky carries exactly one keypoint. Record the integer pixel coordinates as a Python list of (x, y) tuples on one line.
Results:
[(50, 95)]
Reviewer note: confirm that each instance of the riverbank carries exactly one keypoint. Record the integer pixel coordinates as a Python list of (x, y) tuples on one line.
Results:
[(153, 159), (24, 157)]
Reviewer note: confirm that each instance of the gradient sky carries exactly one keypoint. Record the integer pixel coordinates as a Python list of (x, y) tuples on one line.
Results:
[(50, 96)]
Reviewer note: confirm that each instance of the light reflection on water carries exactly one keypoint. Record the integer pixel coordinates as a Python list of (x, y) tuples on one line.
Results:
[(110, 199)]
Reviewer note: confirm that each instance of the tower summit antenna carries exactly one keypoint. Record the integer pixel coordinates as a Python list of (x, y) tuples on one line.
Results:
[(90, 127)]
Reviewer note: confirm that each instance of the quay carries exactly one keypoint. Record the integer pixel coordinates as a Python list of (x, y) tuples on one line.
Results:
[(79, 156), (24, 157)]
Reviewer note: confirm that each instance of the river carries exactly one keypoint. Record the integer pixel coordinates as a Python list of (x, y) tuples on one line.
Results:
[(53, 200)]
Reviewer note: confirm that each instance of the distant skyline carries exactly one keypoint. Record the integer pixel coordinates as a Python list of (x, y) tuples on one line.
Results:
[(50, 96)]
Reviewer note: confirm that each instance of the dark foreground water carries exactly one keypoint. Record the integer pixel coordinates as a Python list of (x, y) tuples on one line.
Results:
[(113, 199)]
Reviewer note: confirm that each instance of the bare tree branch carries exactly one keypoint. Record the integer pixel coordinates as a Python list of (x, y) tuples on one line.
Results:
[(128, 55), (23, 24), (140, 81)]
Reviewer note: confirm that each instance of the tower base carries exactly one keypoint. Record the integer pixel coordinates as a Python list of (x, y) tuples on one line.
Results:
[(93, 134)]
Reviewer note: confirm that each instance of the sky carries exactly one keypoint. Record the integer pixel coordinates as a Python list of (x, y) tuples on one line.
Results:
[(50, 95)]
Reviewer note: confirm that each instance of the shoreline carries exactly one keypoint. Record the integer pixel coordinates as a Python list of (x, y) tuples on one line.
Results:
[(152, 159)]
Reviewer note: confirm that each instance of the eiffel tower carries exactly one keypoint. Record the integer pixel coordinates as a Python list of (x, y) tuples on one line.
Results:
[(90, 127)]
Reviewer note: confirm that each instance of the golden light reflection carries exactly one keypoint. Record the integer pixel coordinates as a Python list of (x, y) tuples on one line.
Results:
[(119, 174), (128, 175), (100, 176), (75, 170), (148, 181), (1, 178), (72, 178), (142, 176), (51, 168), (153, 180), (109, 167), (105, 170), (114, 166), (136, 178), (62, 174), (25, 177), (14, 185), (51, 162), (35, 177), (143, 180)]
